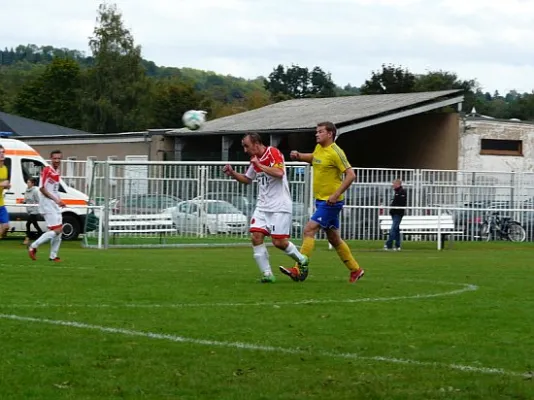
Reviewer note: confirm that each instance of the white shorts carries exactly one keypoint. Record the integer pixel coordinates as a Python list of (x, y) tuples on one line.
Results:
[(274, 224), (52, 214)]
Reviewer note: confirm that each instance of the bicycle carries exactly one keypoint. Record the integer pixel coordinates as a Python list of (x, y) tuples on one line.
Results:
[(501, 227)]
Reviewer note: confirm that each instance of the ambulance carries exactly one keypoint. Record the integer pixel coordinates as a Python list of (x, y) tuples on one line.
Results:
[(23, 162)]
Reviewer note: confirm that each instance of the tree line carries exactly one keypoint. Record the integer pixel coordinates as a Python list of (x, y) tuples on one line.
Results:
[(115, 90)]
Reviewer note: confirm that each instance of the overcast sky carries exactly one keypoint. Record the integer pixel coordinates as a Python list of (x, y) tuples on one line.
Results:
[(490, 40)]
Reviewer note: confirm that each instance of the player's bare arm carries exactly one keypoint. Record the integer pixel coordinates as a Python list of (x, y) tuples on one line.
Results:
[(228, 170), (350, 176), (305, 157), (56, 200), (5, 184), (276, 171)]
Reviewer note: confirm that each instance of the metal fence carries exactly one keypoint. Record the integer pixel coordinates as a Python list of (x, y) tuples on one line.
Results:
[(186, 188), (202, 200)]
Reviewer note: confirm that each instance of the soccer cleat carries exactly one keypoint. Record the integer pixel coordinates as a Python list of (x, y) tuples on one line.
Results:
[(356, 275), (57, 259), (293, 273), (32, 253), (303, 269), (268, 279)]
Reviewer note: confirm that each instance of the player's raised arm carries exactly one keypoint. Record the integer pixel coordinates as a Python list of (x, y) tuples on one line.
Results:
[(305, 157), (243, 178), (276, 171)]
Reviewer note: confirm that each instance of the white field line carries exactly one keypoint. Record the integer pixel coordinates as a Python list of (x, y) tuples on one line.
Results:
[(96, 269), (264, 348), (465, 288)]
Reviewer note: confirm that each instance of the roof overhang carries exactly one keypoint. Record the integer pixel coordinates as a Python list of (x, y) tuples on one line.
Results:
[(449, 98), (399, 114)]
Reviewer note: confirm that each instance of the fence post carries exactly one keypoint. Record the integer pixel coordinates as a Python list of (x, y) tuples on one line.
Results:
[(100, 228), (202, 193), (439, 228), (106, 202)]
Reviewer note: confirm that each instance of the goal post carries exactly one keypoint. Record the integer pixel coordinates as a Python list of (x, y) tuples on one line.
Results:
[(181, 204)]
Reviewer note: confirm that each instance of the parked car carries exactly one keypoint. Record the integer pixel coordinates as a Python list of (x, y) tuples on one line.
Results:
[(208, 216), (143, 203), (244, 203)]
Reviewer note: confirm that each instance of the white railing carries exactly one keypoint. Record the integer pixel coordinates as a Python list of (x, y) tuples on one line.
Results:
[(145, 187)]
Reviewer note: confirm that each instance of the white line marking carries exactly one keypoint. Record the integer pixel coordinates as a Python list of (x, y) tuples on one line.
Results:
[(465, 288), (257, 347), (96, 269)]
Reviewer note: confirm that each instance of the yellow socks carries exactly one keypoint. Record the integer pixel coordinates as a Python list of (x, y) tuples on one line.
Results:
[(307, 246), (345, 255), (308, 243)]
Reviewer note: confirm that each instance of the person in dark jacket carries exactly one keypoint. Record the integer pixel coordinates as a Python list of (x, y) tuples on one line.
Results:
[(399, 200)]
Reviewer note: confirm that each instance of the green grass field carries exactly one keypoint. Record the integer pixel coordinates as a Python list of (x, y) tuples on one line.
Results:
[(195, 324)]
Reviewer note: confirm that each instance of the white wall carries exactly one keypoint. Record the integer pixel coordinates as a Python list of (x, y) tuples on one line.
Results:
[(470, 159)]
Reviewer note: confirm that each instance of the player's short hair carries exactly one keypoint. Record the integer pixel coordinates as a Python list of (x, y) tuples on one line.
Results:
[(33, 180), (254, 137), (55, 152), (329, 126)]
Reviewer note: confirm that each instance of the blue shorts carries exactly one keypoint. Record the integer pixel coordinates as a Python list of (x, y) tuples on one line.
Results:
[(327, 215), (4, 215)]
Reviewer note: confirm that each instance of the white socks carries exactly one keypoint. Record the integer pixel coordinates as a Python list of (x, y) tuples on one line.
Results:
[(292, 251), (45, 237), (261, 255), (54, 246)]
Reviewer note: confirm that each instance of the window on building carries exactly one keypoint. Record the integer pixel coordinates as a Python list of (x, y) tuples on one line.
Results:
[(500, 147)]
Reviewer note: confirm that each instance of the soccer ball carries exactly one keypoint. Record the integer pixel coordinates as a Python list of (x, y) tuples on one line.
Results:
[(194, 119)]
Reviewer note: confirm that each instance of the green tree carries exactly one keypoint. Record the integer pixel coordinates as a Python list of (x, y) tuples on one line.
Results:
[(52, 96), (3, 99), (444, 80), (116, 86), (171, 99), (391, 79), (298, 82)]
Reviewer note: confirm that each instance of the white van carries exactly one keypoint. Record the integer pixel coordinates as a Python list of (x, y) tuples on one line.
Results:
[(23, 162)]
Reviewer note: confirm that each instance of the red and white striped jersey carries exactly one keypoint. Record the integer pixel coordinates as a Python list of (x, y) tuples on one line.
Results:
[(50, 181), (273, 193)]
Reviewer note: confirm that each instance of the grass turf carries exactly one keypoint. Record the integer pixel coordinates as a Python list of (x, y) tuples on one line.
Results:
[(195, 324)]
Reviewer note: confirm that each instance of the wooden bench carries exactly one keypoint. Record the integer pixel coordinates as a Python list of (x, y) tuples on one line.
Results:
[(141, 223), (423, 225)]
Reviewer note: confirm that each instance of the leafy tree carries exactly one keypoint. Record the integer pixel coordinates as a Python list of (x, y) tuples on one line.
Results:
[(3, 99), (116, 85), (391, 79), (171, 99), (347, 90), (298, 82), (443, 80), (52, 96)]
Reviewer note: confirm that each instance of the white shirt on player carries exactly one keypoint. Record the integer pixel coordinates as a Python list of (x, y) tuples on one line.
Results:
[(273, 193), (50, 181)]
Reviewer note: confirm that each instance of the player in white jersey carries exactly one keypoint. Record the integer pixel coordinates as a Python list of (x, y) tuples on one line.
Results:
[(50, 205), (273, 214)]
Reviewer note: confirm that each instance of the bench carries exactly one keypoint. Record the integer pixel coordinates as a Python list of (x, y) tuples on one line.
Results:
[(141, 223), (441, 225)]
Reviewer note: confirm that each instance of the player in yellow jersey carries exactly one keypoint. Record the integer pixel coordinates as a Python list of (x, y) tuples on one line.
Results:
[(329, 164), (4, 184)]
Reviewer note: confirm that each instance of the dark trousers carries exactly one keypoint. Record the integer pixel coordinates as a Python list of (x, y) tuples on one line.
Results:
[(32, 220), (394, 233)]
